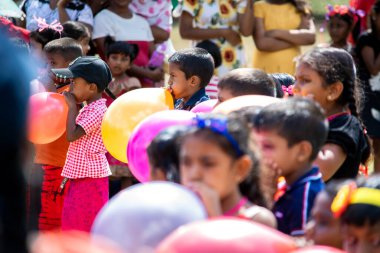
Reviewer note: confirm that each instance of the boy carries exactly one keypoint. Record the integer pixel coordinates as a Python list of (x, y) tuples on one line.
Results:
[(190, 71), (52, 156), (245, 81), (86, 165), (292, 148)]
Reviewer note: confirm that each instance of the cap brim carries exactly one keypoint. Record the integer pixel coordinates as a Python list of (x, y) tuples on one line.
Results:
[(63, 73)]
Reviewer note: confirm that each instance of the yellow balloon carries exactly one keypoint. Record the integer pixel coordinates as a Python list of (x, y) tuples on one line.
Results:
[(126, 112)]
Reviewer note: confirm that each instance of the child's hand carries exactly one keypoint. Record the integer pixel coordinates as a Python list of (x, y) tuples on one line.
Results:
[(232, 37), (156, 75), (63, 3), (70, 99), (209, 197), (269, 174)]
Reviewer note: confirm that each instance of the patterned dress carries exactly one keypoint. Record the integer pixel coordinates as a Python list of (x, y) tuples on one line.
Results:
[(220, 14)]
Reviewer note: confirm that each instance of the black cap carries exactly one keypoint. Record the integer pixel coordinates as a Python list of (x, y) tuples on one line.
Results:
[(90, 68)]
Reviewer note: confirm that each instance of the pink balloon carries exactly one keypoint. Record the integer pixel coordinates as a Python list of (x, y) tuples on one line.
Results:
[(206, 106), (145, 132), (318, 249)]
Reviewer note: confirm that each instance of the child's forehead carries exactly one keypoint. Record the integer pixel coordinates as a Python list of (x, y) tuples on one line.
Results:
[(120, 54)]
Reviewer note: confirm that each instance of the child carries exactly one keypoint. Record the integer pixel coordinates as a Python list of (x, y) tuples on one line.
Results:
[(323, 227), (368, 53), (163, 153), (358, 207), (328, 76), (340, 22), (214, 50), (245, 81), (51, 157), (292, 149), (120, 23), (190, 71), (78, 32), (217, 164), (281, 28), (283, 84), (120, 56), (86, 165)]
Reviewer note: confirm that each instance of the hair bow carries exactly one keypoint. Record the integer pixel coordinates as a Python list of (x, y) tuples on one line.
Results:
[(287, 90), (42, 25)]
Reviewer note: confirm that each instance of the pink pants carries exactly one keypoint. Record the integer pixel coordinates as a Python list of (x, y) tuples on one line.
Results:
[(84, 198)]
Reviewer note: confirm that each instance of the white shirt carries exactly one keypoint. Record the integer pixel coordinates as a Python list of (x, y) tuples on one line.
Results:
[(107, 23)]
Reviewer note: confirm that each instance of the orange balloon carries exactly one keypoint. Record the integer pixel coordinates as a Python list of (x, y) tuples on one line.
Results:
[(47, 117), (237, 103), (126, 112)]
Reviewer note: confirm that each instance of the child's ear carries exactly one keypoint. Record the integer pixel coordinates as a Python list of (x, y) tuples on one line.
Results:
[(304, 151), (243, 167), (93, 87), (195, 81), (334, 91)]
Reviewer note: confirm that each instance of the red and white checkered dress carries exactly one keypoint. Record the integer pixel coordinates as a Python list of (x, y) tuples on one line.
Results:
[(86, 156)]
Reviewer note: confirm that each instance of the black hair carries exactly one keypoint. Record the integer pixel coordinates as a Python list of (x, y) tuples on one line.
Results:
[(301, 6), (337, 65), (75, 30), (213, 49), (45, 36), (247, 81), (195, 62), (239, 131), (282, 79), (285, 118), (376, 10), (163, 152), (68, 48), (361, 214), (121, 47)]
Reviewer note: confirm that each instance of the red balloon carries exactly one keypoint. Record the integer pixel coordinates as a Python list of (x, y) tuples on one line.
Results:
[(318, 249), (226, 235), (47, 117)]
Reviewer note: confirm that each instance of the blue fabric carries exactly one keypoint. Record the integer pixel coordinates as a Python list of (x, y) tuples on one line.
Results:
[(196, 98), (292, 210)]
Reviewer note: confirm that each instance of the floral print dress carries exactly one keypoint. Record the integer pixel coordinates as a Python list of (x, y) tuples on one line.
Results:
[(220, 14)]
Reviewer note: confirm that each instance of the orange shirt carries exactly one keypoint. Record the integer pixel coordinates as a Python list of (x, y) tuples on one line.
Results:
[(54, 153)]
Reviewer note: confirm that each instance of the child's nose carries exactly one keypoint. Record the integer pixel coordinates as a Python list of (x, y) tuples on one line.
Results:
[(194, 173)]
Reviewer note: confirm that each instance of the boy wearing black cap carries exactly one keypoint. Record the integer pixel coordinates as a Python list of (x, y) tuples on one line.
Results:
[(86, 166)]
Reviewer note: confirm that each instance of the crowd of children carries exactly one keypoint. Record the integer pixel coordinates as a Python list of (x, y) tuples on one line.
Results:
[(295, 165)]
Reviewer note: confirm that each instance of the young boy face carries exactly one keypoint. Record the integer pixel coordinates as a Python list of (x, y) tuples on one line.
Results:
[(363, 239), (178, 82), (81, 89), (119, 63), (56, 61)]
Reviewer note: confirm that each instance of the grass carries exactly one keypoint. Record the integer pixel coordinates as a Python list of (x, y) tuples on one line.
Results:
[(319, 6)]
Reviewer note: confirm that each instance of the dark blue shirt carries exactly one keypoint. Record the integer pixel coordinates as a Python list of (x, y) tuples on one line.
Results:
[(195, 99), (292, 210)]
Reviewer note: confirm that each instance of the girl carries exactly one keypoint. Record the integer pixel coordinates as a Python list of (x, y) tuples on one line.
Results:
[(215, 162), (223, 22), (358, 206), (340, 22), (120, 23), (328, 76), (281, 27), (78, 32), (368, 52)]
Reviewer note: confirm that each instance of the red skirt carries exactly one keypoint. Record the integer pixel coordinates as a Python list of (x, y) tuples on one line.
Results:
[(84, 199)]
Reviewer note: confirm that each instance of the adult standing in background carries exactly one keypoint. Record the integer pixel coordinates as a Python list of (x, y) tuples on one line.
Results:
[(223, 22)]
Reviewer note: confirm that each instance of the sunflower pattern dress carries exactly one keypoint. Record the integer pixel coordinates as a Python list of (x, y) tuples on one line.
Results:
[(220, 14)]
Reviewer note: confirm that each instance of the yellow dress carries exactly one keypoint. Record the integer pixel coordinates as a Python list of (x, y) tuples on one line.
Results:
[(277, 16)]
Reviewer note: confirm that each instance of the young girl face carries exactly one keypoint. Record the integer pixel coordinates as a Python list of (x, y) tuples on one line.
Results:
[(119, 63), (338, 30), (203, 161), (85, 44), (364, 239), (323, 228), (310, 84)]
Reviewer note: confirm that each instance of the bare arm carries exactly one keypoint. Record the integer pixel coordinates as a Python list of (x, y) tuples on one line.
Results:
[(267, 43), (187, 31), (305, 35), (329, 159), (73, 131), (372, 63), (159, 34), (247, 20), (63, 16)]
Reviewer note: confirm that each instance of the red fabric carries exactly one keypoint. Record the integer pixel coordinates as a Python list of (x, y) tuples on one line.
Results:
[(84, 199), (142, 58), (15, 31), (51, 200), (86, 156)]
